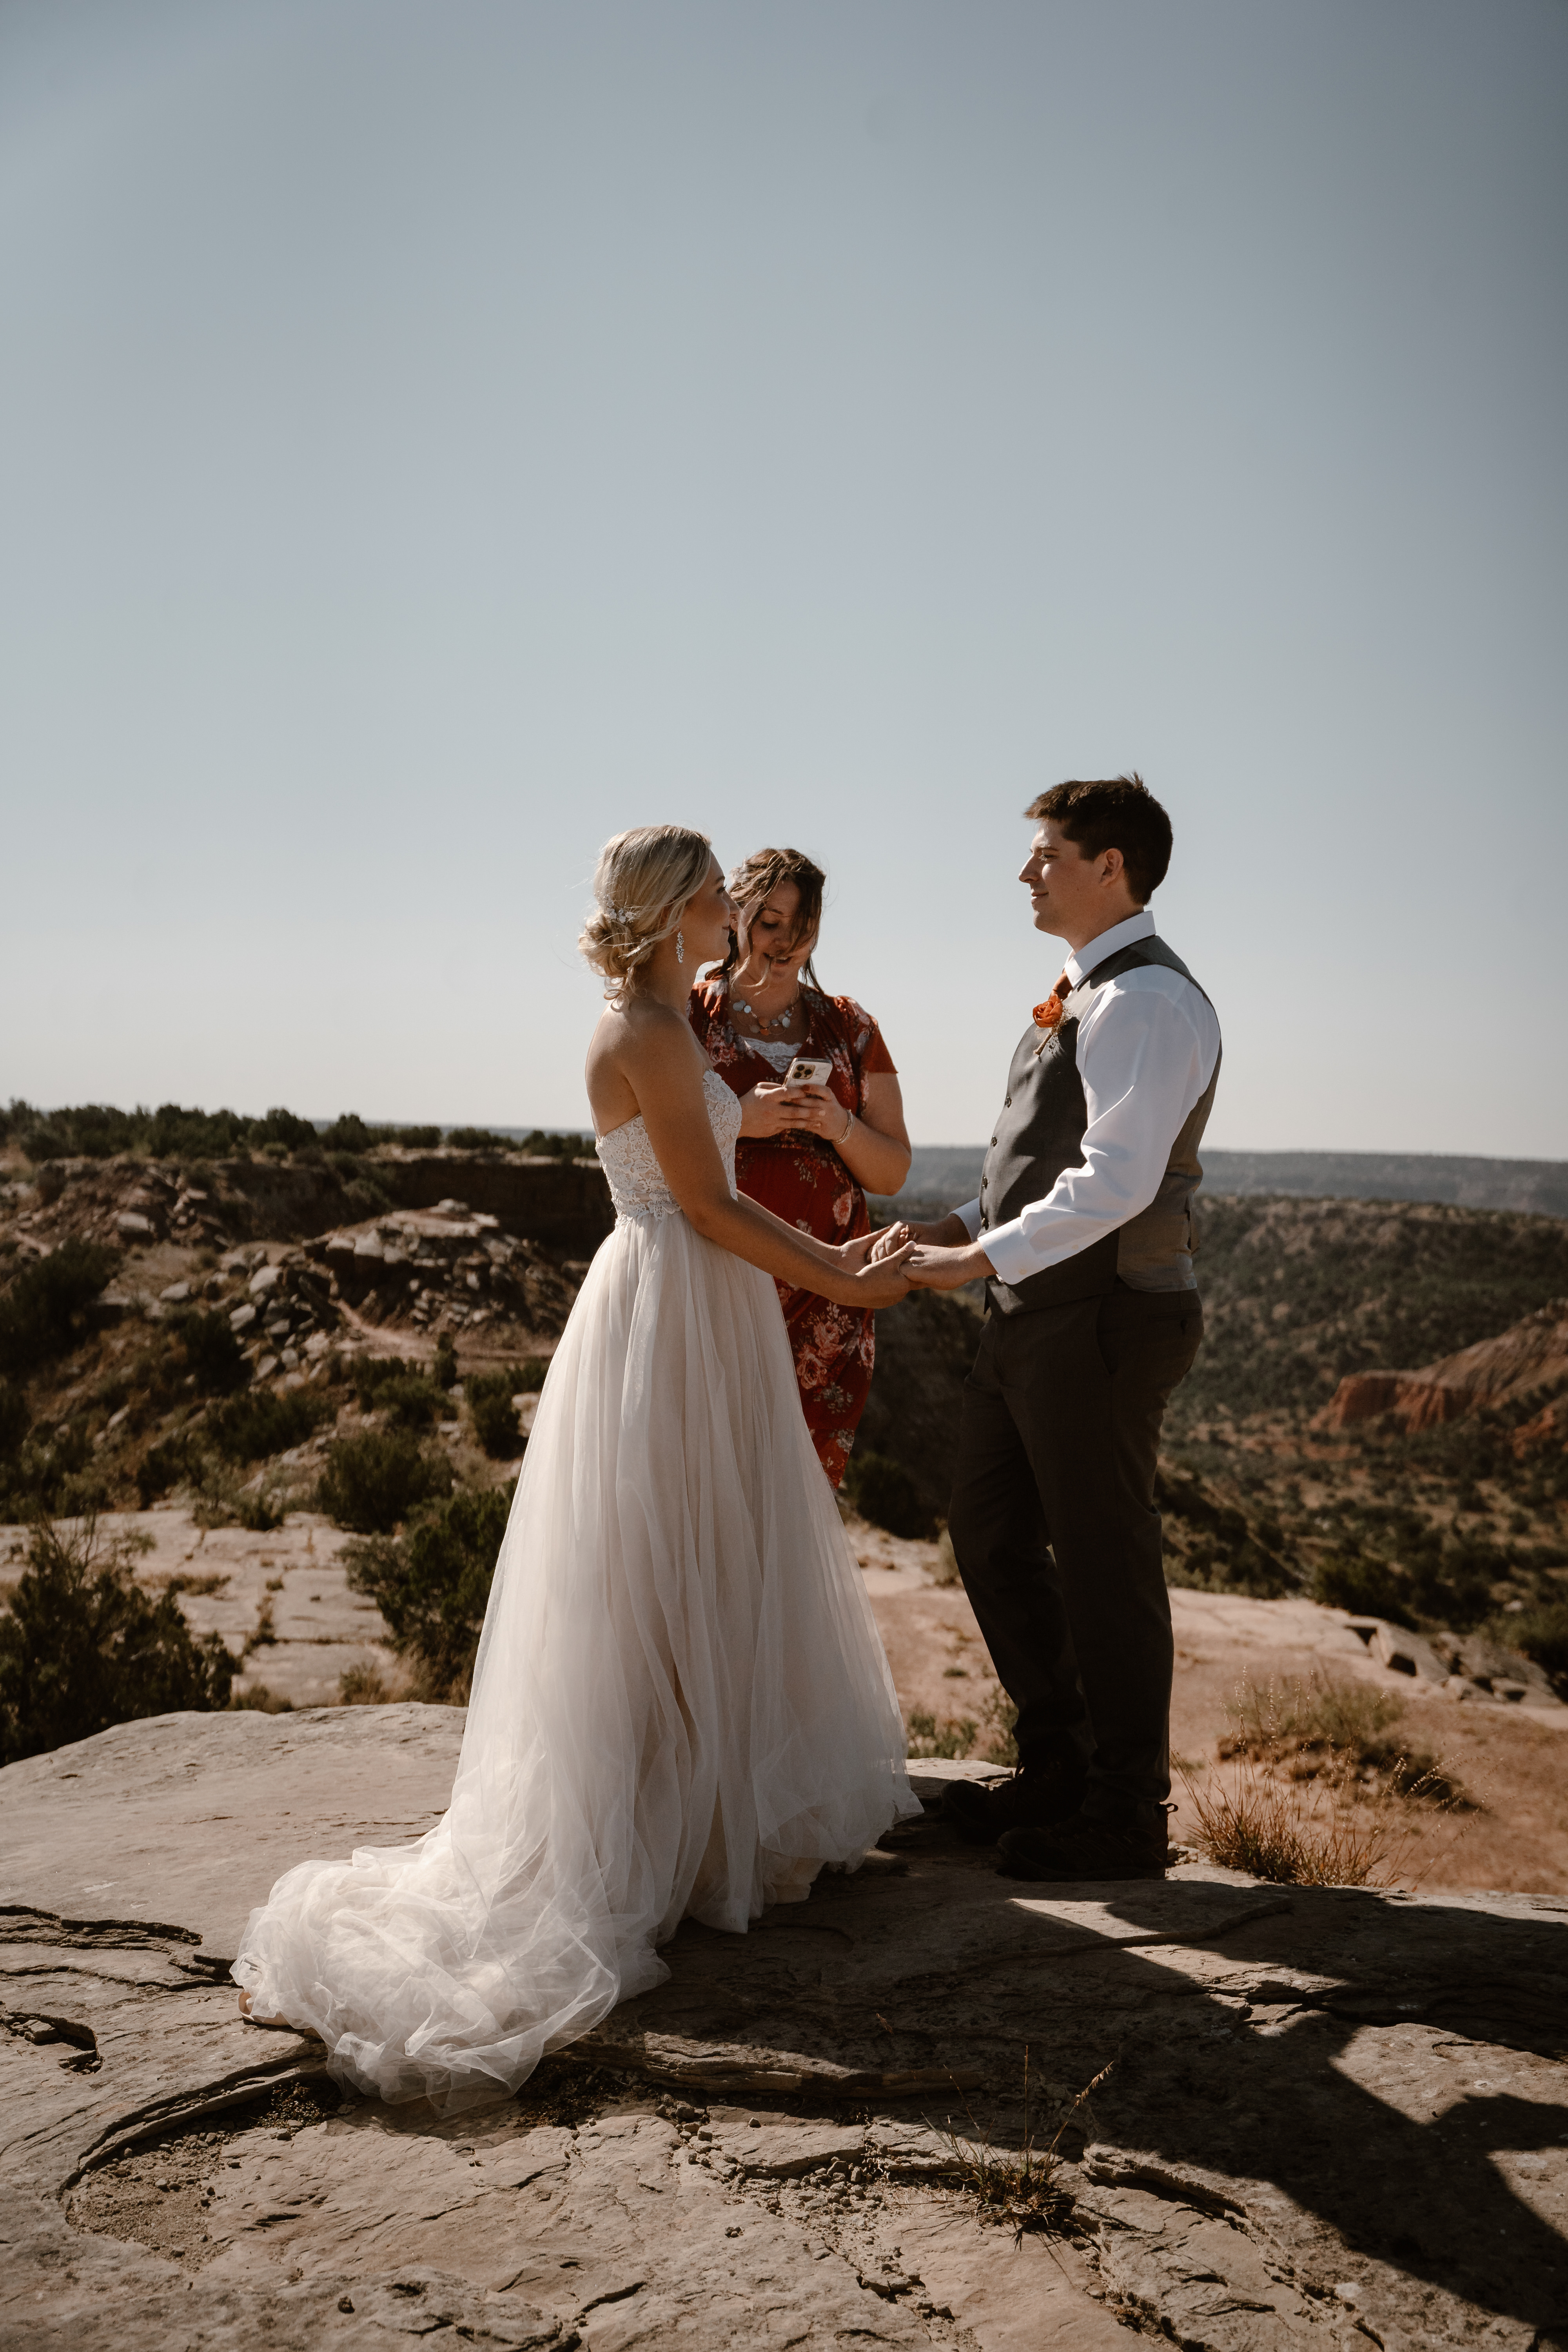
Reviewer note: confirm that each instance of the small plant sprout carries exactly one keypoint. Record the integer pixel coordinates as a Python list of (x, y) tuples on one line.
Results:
[(1020, 2191)]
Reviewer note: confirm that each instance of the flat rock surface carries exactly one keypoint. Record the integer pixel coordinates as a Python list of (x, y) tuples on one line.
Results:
[(187, 1820), (1332, 2116)]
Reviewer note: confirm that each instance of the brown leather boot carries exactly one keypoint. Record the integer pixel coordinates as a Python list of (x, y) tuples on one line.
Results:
[(1035, 1796)]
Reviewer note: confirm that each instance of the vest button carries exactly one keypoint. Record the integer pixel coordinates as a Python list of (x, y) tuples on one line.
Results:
[(1007, 1102)]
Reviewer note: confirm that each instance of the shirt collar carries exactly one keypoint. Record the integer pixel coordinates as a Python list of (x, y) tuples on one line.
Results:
[(1083, 961)]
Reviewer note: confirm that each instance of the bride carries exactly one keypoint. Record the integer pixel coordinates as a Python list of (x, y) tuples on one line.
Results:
[(680, 1705)]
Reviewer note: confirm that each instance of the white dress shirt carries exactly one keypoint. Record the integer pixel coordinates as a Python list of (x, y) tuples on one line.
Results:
[(1147, 1048)]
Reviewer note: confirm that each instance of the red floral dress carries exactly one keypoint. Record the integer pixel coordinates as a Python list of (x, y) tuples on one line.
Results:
[(802, 1179)]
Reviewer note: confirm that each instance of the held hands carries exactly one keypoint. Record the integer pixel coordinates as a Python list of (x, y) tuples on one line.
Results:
[(798, 1110), (877, 1274), (931, 1262)]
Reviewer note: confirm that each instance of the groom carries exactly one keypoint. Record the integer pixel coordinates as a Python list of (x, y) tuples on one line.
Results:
[(1083, 1233)]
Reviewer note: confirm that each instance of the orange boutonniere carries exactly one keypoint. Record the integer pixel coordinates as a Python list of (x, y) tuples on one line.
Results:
[(1049, 1015)]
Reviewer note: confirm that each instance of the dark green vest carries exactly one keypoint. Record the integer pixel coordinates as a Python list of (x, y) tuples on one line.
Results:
[(1039, 1133)]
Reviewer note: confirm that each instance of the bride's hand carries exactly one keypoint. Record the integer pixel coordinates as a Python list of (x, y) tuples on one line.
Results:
[(881, 1281), (892, 1238)]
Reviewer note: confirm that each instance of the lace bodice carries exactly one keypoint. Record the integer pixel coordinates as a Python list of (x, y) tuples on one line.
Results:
[(637, 1180)]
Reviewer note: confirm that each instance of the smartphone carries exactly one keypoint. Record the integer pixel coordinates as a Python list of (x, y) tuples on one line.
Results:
[(803, 1072)]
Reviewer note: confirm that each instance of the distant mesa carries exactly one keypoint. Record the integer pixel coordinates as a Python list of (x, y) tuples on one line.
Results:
[(1531, 1355)]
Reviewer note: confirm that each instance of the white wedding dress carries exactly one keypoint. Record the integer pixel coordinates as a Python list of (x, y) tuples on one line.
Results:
[(680, 1707)]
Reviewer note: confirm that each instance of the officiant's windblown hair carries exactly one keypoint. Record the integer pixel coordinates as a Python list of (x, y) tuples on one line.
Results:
[(1114, 813), (758, 877), (642, 883)]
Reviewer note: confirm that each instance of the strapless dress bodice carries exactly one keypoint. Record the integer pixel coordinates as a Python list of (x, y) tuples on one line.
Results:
[(637, 1180)]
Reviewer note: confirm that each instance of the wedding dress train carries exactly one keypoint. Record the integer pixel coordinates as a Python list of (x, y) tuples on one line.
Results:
[(680, 1707)]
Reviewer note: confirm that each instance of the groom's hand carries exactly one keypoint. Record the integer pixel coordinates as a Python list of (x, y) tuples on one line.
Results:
[(932, 1267), (948, 1229)]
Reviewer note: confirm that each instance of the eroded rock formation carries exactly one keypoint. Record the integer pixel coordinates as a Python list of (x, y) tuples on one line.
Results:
[(1530, 1357)]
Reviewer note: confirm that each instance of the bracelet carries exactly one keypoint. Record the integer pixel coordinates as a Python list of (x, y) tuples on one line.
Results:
[(849, 1123)]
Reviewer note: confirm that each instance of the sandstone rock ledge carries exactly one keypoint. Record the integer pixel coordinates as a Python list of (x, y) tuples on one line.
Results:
[(1333, 2117)]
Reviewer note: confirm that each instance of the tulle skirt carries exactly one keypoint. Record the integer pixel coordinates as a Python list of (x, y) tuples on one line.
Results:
[(681, 1707)]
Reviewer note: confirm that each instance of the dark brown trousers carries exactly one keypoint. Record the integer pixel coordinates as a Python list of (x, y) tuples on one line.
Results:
[(1056, 1535)]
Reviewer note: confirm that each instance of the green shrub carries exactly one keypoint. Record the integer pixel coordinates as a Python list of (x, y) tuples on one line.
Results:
[(496, 1425), (213, 1352), (164, 1465), (1543, 1634), (263, 1421), (372, 1482), (413, 1402), (254, 1508), (82, 1646), (14, 1420), (478, 1139), (883, 1492), (97, 1130), (1456, 1586), (56, 1477), (528, 1376), (418, 1138), (1362, 1583), (284, 1126), (432, 1583), (348, 1132), (445, 1370), (41, 1313), (546, 1144), (386, 1384), (363, 1192)]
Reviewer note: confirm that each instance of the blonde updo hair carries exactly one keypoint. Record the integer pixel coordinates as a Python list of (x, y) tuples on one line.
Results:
[(642, 883)]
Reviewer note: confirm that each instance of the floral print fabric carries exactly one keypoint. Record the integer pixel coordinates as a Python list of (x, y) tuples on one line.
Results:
[(802, 1179)]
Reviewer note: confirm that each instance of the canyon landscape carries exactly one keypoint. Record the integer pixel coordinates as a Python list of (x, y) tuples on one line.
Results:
[(263, 1399)]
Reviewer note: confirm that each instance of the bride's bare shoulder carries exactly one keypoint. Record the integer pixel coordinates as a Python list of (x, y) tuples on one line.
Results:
[(638, 1048), (640, 1030)]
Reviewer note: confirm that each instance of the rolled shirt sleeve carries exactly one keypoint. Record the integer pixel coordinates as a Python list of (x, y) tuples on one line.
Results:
[(1147, 1048)]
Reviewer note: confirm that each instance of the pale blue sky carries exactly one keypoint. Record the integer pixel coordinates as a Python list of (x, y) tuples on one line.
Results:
[(433, 437)]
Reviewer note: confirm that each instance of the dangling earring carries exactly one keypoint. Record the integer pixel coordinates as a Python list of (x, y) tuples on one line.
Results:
[(680, 947)]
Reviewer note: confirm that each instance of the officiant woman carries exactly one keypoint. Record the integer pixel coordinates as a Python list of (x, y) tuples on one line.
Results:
[(809, 1153)]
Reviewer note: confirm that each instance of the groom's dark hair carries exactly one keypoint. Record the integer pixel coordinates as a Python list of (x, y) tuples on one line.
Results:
[(1116, 813)]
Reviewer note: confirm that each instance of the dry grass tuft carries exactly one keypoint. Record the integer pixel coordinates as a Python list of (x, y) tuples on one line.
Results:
[(1341, 1733), (957, 1735), (1020, 2192), (1275, 1828), (924, 1736), (364, 1684)]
